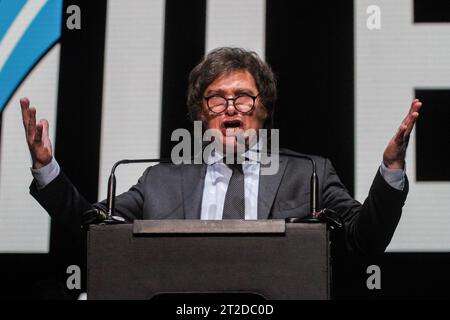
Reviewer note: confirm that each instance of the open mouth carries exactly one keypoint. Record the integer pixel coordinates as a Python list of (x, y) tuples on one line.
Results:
[(232, 126)]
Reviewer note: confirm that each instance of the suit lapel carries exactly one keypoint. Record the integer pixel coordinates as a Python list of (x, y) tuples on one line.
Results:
[(268, 186), (193, 181)]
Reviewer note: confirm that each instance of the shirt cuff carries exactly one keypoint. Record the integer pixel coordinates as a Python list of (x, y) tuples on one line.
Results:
[(43, 176), (394, 177)]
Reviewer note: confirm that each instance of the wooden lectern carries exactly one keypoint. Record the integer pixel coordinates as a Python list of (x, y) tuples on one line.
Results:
[(268, 258)]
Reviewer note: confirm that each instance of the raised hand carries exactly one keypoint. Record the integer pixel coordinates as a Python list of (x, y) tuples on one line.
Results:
[(395, 152), (37, 136)]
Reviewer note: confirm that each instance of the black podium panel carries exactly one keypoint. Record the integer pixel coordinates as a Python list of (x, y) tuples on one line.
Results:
[(269, 258)]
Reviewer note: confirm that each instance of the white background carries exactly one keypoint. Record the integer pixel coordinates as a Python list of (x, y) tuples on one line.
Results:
[(390, 64)]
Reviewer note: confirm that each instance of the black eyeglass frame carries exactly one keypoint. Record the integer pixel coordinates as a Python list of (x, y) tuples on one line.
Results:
[(234, 102)]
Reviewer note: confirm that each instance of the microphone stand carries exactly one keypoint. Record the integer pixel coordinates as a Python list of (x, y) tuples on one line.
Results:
[(312, 217), (110, 200), (315, 216)]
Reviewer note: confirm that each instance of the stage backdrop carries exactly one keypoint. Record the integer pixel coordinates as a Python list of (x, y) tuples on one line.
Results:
[(116, 89)]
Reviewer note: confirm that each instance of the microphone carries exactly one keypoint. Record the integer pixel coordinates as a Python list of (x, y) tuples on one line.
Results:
[(316, 214), (110, 200), (314, 190)]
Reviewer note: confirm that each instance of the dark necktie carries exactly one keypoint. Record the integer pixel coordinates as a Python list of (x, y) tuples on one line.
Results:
[(234, 206)]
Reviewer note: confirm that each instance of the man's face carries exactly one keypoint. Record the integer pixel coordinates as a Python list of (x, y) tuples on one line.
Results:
[(231, 121)]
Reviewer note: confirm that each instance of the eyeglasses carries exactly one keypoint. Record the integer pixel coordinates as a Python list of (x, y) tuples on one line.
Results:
[(244, 103)]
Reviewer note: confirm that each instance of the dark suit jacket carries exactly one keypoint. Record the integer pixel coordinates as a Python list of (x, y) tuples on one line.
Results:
[(168, 191)]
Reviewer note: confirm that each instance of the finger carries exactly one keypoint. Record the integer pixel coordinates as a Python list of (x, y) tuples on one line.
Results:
[(31, 126), (413, 114), (24, 105), (410, 126), (399, 136), (45, 126), (45, 135), (414, 102), (38, 135), (415, 107), (412, 117)]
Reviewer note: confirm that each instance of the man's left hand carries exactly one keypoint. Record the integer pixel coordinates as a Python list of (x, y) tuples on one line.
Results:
[(394, 155)]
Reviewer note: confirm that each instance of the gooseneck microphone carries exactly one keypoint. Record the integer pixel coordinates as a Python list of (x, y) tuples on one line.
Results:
[(316, 215), (314, 190), (110, 200)]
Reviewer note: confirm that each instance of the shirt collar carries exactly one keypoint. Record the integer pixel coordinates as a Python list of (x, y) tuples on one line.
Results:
[(251, 156)]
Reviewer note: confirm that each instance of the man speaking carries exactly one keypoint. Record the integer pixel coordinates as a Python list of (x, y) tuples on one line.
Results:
[(232, 90)]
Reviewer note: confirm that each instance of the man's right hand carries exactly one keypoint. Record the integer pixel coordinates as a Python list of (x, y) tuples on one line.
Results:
[(37, 135)]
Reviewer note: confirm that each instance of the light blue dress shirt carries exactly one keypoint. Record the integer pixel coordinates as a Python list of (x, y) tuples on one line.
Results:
[(218, 177)]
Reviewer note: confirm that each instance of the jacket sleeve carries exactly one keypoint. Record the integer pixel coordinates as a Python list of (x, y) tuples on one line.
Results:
[(61, 199), (368, 227)]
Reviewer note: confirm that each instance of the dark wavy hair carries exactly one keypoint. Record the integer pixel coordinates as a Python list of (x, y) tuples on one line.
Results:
[(224, 60)]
